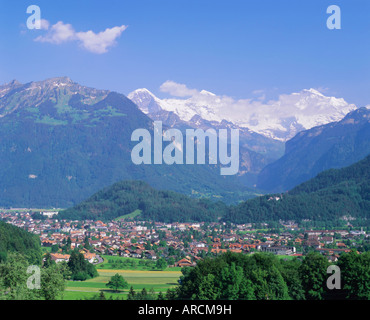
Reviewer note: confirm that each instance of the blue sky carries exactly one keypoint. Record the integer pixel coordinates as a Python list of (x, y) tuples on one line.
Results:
[(231, 47)]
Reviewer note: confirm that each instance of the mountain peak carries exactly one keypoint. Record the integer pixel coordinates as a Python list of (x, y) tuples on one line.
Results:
[(57, 81), (14, 83), (314, 92), (4, 89), (145, 100), (205, 92), (142, 91)]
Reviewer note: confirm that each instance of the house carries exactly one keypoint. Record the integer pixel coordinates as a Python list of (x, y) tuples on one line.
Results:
[(327, 240), (136, 254), (184, 263), (58, 257), (91, 257), (279, 250), (151, 255)]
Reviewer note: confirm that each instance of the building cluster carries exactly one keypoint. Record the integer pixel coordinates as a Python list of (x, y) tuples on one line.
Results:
[(181, 243)]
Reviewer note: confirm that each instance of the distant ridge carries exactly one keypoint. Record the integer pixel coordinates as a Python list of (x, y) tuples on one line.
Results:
[(329, 196), (334, 145)]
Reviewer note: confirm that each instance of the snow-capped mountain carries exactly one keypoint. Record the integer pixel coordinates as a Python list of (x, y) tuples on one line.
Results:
[(256, 150), (147, 101), (279, 119)]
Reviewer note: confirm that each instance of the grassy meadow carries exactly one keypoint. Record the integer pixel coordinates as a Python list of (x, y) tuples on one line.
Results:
[(138, 278)]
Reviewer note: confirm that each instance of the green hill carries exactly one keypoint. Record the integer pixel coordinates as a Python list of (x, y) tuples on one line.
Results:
[(330, 195), (125, 197), (14, 239)]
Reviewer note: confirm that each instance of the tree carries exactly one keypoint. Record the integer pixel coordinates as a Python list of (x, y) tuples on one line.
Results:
[(87, 243), (171, 294), (80, 268), (117, 282), (207, 289), (3, 256), (313, 275), (102, 296), (161, 264), (68, 244), (48, 262), (14, 276), (355, 274), (171, 261), (143, 295), (131, 294), (52, 283)]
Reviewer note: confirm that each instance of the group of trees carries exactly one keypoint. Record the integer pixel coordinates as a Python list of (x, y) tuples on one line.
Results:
[(80, 268), (263, 276), (144, 294), (117, 282), (19, 250), (14, 277), (15, 281)]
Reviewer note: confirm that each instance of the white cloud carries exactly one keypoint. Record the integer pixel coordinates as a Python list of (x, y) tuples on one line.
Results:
[(177, 89), (58, 33), (45, 24), (99, 43), (94, 42)]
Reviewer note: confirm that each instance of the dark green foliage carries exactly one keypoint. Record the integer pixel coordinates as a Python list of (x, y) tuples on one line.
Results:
[(14, 280), (235, 276), (327, 197), (80, 268), (117, 282), (161, 264), (127, 196), (355, 275), (131, 294), (313, 276), (14, 239)]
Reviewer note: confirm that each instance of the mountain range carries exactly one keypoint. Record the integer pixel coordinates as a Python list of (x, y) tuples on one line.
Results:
[(322, 138), (256, 150), (61, 142), (278, 119)]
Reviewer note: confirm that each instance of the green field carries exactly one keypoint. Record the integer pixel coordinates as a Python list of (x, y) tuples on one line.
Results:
[(285, 257), (122, 263), (160, 281), (129, 216)]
